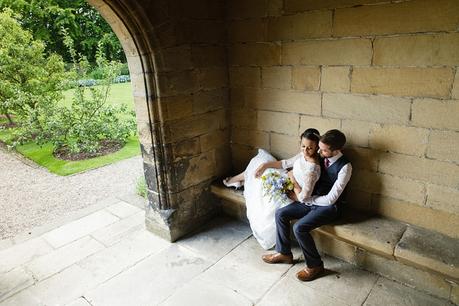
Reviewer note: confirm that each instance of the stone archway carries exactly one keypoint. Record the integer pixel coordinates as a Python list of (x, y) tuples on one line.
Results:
[(178, 68)]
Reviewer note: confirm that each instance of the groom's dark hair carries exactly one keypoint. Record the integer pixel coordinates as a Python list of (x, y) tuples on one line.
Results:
[(334, 138)]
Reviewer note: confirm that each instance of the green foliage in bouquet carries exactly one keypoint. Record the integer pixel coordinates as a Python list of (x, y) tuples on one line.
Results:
[(276, 186)]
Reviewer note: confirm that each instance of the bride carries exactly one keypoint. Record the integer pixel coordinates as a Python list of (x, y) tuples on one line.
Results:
[(260, 207)]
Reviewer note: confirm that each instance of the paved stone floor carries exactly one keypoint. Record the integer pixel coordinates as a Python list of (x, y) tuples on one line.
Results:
[(108, 258)]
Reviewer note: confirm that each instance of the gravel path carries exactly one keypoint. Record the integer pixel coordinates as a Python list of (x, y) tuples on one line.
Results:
[(31, 196)]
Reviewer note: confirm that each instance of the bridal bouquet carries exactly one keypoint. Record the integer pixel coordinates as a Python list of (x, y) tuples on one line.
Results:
[(276, 186)]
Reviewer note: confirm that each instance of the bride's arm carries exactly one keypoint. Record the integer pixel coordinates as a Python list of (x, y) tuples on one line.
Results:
[(273, 164), (309, 182)]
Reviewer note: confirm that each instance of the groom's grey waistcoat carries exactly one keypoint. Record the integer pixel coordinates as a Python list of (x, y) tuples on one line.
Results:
[(328, 177)]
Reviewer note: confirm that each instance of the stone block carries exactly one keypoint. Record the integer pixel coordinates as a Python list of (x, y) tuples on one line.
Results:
[(176, 107), (327, 52), (211, 78), (335, 79), (363, 158), (208, 56), (305, 78), (437, 220), (420, 168), (380, 109), (284, 146), (444, 198), (122, 209), (387, 292), (195, 126), (79, 228), (293, 6), (408, 81), (199, 292), (213, 140), (255, 54), (376, 234), (245, 77), (357, 132), (241, 155), (417, 50), (166, 271), (399, 139), (250, 138), (201, 31), (210, 100), (440, 114), (14, 281), (359, 200), (455, 294), (277, 77), (207, 9), (235, 270), (300, 26), (455, 90), (419, 279), (63, 257), (247, 9), (19, 254), (319, 123), (244, 118), (278, 122), (275, 7), (175, 83), (176, 58), (334, 247), (284, 101), (392, 18), (400, 188), (443, 145), (115, 232), (429, 250), (247, 30), (195, 170)]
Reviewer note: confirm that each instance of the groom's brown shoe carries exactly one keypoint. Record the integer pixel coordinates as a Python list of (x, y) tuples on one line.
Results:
[(309, 274), (277, 258)]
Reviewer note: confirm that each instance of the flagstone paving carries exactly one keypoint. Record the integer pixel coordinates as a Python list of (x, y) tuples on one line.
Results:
[(108, 258)]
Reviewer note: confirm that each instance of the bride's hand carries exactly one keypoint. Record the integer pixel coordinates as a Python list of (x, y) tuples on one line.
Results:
[(260, 170)]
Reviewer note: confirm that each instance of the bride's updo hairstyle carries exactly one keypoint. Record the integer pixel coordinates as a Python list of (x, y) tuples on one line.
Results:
[(311, 134)]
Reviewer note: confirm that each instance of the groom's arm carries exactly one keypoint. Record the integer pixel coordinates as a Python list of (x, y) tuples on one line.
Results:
[(344, 176)]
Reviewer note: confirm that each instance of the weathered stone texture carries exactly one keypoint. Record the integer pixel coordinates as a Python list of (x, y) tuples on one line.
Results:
[(381, 109), (277, 77), (417, 82), (335, 79), (405, 17), (300, 26), (305, 78), (327, 52), (439, 114)]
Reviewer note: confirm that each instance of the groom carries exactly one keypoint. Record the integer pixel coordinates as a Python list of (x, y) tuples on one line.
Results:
[(321, 208)]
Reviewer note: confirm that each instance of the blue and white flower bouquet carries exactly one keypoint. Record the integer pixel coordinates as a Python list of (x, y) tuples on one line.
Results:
[(276, 186)]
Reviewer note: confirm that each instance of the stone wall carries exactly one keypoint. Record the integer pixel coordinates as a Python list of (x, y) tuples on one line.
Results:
[(384, 72), (176, 51)]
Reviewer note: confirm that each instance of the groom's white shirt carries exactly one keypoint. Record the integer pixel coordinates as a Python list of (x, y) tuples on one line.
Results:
[(344, 175)]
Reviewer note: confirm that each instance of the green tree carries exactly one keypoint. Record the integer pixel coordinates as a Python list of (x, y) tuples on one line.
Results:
[(45, 18), (29, 81)]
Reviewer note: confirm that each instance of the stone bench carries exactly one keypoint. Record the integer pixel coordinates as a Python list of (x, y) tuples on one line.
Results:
[(427, 260)]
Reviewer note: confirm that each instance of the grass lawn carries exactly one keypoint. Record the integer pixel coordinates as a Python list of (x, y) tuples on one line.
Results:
[(120, 93)]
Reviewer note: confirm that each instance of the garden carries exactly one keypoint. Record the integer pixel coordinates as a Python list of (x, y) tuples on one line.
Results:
[(65, 96)]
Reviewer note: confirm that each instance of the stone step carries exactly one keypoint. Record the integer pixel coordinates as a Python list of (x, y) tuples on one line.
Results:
[(415, 256)]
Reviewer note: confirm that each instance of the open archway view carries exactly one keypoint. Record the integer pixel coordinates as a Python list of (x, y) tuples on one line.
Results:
[(67, 122)]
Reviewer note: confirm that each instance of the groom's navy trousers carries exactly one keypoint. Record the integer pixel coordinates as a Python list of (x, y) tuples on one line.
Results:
[(309, 218)]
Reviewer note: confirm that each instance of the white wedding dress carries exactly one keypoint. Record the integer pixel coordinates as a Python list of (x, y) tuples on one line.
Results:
[(261, 209)]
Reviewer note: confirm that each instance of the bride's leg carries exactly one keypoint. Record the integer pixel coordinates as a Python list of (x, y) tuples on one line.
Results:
[(236, 178)]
